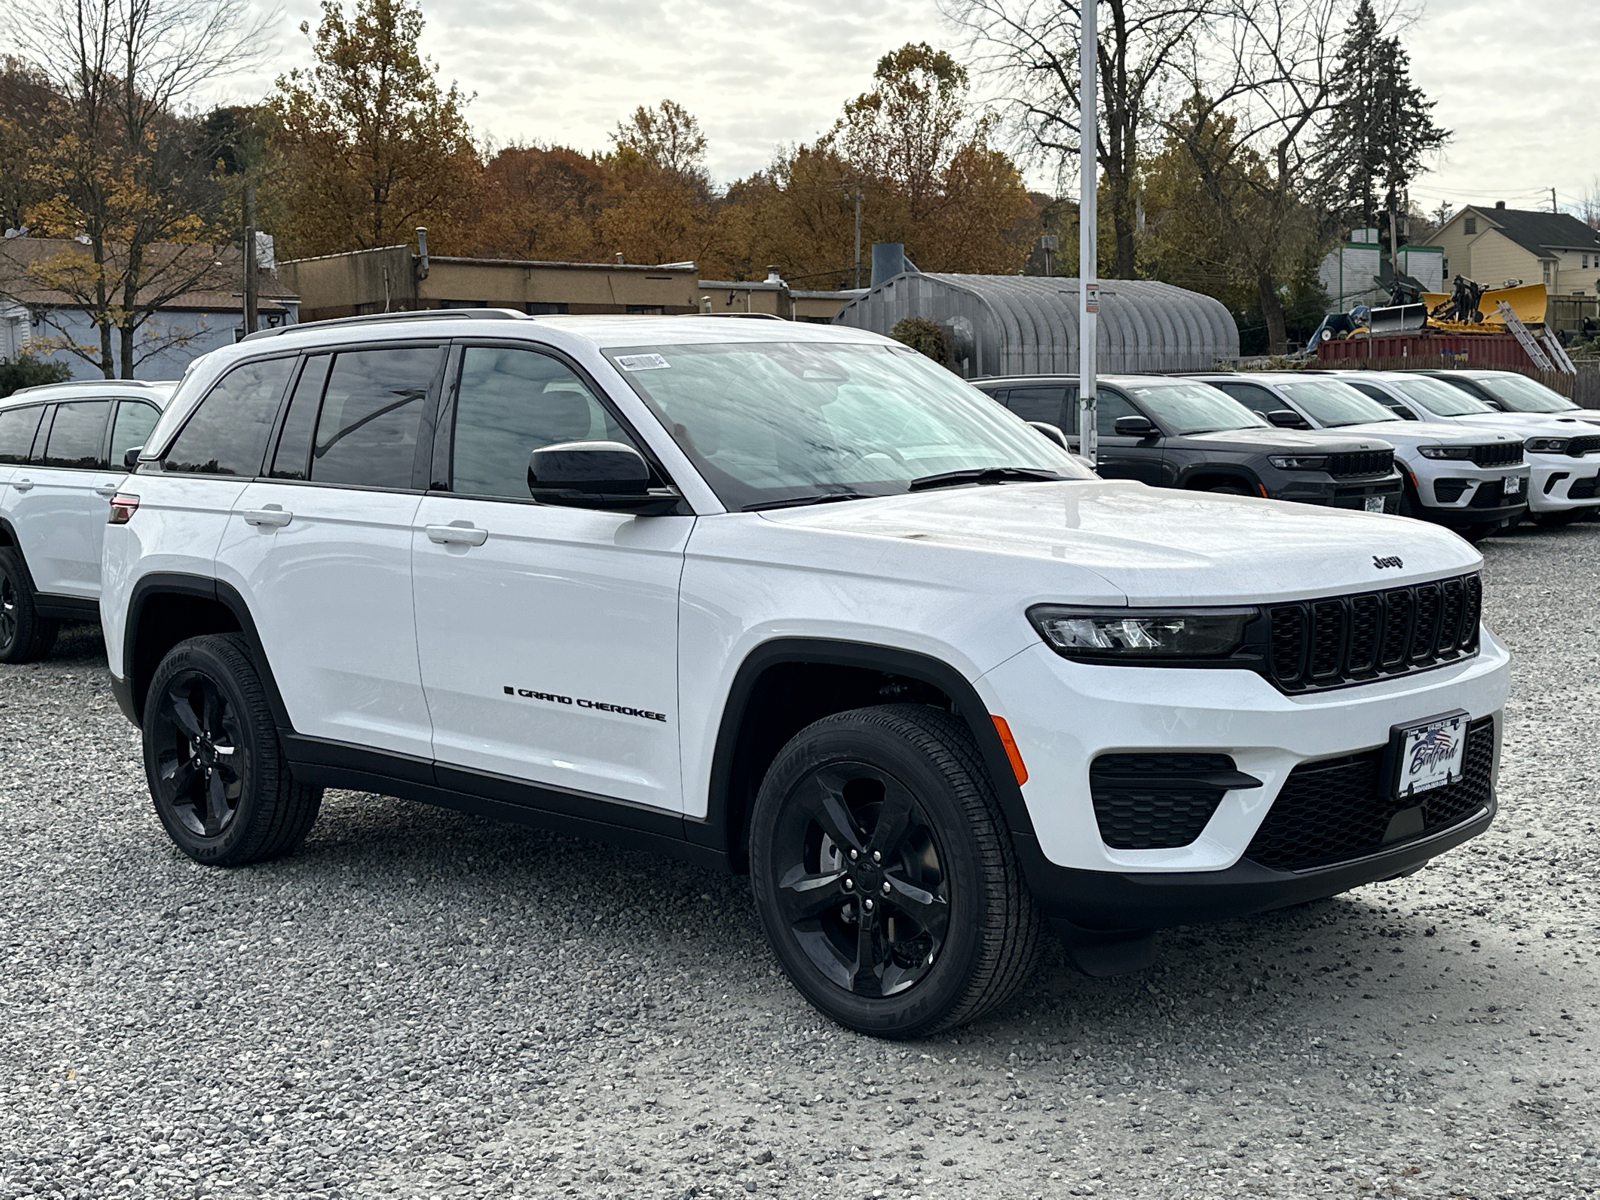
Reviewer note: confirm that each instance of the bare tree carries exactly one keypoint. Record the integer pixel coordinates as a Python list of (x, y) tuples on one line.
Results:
[(116, 152), (1032, 46)]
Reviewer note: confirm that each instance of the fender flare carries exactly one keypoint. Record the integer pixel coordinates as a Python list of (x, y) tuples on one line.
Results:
[(868, 656)]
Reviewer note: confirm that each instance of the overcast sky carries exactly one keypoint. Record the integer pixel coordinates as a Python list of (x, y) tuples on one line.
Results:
[(1512, 80)]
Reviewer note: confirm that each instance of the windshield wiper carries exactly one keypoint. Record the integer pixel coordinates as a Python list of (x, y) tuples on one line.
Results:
[(799, 501), (986, 475)]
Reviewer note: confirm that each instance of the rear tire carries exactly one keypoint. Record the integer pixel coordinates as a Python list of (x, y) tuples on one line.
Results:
[(884, 874), (216, 770), (25, 636)]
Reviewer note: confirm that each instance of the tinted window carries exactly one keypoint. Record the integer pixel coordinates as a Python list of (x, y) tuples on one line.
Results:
[(77, 434), (1037, 403), (17, 427), (371, 411), (1108, 406), (293, 457), (134, 422), (1252, 396), (227, 435), (509, 404)]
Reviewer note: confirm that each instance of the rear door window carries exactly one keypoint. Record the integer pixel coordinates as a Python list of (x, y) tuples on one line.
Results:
[(509, 404), (228, 432), (131, 429), (293, 457), (17, 429), (372, 408), (78, 434)]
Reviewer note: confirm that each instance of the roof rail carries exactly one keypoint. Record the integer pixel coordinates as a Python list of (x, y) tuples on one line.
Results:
[(429, 314), (743, 316), (144, 383)]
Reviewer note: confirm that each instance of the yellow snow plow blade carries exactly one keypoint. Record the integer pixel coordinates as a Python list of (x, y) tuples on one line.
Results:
[(1527, 301)]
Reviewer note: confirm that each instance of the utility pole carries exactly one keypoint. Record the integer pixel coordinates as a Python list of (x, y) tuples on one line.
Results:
[(1088, 181), (249, 259), (1553, 207), (858, 233)]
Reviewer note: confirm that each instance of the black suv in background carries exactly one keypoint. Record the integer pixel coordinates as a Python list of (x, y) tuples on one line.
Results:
[(1181, 433)]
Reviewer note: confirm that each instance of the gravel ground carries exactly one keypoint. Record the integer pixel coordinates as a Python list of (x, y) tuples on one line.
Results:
[(427, 1004)]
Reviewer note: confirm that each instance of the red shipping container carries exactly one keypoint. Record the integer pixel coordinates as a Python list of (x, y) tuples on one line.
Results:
[(1487, 350)]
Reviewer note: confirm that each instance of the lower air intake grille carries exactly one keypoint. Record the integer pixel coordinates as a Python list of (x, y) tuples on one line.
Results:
[(1340, 808), (1159, 801), (1583, 489)]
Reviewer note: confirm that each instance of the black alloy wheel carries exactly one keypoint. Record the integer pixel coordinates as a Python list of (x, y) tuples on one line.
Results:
[(213, 760), (24, 635), (860, 879), (202, 755), (884, 873)]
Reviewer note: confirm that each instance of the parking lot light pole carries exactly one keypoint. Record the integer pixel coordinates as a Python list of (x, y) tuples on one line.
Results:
[(1088, 285)]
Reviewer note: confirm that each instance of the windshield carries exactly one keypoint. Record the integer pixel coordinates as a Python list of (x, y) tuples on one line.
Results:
[(1329, 402), (1521, 394), (1440, 399), (1195, 408), (772, 422)]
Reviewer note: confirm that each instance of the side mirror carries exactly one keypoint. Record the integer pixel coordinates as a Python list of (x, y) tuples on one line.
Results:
[(1494, 404), (1284, 418), (130, 458), (603, 475), (1135, 426), (1053, 432)]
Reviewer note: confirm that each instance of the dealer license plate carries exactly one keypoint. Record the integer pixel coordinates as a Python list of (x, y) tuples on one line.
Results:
[(1512, 486), (1374, 504), (1429, 754)]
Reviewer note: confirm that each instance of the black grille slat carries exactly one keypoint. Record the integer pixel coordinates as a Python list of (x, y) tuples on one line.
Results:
[(1579, 446), (1497, 454), (1345, 639), (1339, 809), (1361, 462), (1584, 489), (1425, 629), (1155, 801)]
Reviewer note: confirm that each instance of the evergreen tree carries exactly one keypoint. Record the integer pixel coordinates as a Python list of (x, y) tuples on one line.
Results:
[(1380, 127)]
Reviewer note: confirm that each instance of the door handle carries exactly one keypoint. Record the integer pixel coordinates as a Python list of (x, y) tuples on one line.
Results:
[(271, 517), (108, 490), (457, 535), (22, 485)]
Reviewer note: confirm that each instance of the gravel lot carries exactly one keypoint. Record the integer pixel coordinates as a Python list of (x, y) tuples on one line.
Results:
[(427, 1004)]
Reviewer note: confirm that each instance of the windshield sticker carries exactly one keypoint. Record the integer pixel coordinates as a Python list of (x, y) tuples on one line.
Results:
[(641, 362)]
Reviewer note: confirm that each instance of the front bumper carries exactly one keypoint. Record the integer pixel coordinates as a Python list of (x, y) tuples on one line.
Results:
[(1560, 483), (1333, 492), (1458, 494)]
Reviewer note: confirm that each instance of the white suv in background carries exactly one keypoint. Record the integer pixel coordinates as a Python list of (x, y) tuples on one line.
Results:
[(1468, 479), (791, 600), (1563, 452), (62, 451)]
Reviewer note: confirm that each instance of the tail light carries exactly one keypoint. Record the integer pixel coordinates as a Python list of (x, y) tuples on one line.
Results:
[(123, 506)]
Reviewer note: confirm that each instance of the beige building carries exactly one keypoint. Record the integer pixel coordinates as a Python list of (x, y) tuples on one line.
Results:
[(402, 278), (1500, 245)]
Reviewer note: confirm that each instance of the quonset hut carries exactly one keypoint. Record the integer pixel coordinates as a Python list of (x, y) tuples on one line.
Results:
[(1028, 324)]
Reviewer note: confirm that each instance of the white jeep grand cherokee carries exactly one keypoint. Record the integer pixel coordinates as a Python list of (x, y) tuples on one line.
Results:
[(792, 600)]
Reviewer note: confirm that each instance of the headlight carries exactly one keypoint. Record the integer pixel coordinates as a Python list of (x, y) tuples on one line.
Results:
[(1546, 445), (1300, 462), (1445, 451), (1132, 634)]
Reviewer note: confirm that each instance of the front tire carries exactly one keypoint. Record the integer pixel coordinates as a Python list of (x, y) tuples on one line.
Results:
[(212, 757), (25, 636), (884, 875)]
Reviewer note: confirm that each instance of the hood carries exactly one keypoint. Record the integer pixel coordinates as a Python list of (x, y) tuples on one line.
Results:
[(1259, 440), (1429, 433), (1153, 545), (1528, 425)]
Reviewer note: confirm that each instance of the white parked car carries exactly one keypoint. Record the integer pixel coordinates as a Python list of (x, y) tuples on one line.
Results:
[(1563, 452), (1510, 391), (790, 600), (62, 448), (1468, 479)]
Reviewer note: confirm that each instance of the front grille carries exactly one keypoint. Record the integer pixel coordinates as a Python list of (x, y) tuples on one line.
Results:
[(1361, 462), (1351, 639), (1583, 489), (1159, 801), (1579, 446), (1340, 808), (1498, 454)]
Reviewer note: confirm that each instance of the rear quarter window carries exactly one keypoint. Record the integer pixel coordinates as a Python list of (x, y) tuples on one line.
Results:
[(228, 431), (17, 429)]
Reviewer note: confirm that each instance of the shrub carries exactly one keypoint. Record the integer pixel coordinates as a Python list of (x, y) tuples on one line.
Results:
[(925, 337), (28, 371)]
